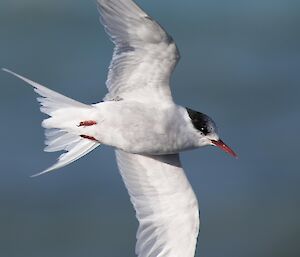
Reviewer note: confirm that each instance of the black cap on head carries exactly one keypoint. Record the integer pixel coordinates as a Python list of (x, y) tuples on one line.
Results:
[(202, 122)]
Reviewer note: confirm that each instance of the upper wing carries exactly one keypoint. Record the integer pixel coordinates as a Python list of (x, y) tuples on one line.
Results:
[(144, 55), (165, 204)]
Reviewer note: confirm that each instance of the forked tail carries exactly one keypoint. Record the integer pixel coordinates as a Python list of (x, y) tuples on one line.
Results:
[(61, 131)]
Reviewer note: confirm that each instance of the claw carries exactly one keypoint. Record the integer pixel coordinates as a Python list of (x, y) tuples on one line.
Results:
[(87, 123), (89, 137)]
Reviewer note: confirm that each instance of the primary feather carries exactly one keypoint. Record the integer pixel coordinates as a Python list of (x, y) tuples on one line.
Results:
[(165, 204), (144, 55)]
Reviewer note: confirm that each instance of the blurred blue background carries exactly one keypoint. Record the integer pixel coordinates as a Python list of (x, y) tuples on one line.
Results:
[(240, 64)]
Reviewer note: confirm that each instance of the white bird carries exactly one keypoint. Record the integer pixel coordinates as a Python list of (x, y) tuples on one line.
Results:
[(139, 119)]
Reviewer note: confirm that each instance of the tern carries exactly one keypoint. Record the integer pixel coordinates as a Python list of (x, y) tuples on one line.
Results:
[(140, 120)]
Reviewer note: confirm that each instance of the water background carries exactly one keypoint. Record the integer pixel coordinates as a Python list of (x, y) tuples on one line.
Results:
[(240, 64)]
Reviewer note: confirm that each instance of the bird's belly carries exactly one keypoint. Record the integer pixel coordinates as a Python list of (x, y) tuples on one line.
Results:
[(152, 140), (142, 130), (153, 144)]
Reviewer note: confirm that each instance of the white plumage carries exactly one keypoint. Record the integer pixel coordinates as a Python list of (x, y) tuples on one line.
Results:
[(143, 60), (140, 120), (165, 204), (58, 137), (144, 55)]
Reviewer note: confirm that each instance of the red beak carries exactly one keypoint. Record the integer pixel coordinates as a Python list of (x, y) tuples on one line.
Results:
[(224, 147)]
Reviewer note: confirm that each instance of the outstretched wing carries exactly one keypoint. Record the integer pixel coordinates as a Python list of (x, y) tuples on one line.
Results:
[(165, 204), (144, 55)]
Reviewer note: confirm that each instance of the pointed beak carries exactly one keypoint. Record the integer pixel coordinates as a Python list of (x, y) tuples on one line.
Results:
[(224, 147)]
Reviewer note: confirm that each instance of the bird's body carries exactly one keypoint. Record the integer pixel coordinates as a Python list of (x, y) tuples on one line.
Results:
[(150, 128), (139, 119), (163, 135)]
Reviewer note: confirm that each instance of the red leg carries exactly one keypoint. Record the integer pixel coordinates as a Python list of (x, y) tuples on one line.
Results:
[(89, 137), (87, 123)]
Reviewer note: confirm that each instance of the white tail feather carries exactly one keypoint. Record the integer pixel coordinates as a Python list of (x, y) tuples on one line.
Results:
[(58, 136)]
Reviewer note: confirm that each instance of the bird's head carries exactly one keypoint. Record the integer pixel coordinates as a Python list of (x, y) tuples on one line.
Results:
[(207, 131)]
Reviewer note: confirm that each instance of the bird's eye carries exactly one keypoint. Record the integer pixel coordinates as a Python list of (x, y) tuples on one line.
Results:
[(204, 130)]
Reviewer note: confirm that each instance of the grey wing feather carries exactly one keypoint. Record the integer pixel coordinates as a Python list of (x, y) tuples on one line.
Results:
[(144, 55), (165, 204)]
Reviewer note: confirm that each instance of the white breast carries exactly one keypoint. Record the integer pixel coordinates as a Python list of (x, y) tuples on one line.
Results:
[(144, 128)]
